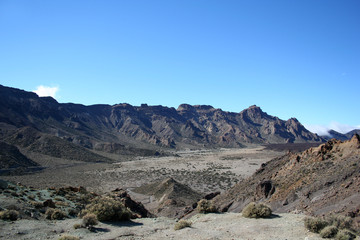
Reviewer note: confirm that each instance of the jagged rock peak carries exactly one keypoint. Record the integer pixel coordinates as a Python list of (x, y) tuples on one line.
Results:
[(253, 109), (293, 122), (187, 107), (355, 140)]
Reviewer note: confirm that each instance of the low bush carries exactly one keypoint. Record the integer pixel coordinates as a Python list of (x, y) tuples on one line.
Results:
[(315, 225), (10, 215), (54, 214), (345, 235), (68, 237), (89, 220), (329, 232), (253, 210), (107, 209), (206, 206), (182, 224), (77, 226), (37, 205), (340, 221)]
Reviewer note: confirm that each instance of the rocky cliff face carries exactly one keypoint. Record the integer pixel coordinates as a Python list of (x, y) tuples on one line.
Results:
[(104, 127)]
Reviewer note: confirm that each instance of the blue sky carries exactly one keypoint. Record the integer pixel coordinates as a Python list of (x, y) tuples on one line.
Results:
[(292, 58)]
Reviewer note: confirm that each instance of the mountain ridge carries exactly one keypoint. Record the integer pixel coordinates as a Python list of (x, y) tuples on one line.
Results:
[(340, 136), (151, 127)]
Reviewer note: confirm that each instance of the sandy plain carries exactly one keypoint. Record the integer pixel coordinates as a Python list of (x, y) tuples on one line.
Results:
[(203, 170)]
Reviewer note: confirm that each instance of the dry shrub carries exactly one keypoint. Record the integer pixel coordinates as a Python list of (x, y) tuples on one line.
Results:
[(11, 215), (68, 237), (315, 225), (206, 206), (107, 209), (37, 205), (54, 214), (182, 224), (329, 232), (345, 235), (89, 220), (253, 210), (340, 221), (77, 226)]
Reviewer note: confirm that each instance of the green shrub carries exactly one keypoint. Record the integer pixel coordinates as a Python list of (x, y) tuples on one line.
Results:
[(345, 235), (11, 215), (329, 232), (54, 214), (206, 206), (315, 225), (182, 224), (253, 210), (89, 220), (68, 237), (107, 209)]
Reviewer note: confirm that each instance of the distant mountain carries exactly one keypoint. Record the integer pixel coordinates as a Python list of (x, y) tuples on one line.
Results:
[(350, 134), (123, 128), (340, 136)]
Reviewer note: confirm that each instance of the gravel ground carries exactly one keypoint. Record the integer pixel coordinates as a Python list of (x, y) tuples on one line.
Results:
[(204, 226)]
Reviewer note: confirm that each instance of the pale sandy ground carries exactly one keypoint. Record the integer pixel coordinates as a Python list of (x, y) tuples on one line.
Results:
[(203, 170), (205, 226), (233, 164)]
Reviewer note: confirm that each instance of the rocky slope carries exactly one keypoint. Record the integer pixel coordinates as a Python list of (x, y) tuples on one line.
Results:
[(320, 180), (115, 128), (11, 159), (173, 199)]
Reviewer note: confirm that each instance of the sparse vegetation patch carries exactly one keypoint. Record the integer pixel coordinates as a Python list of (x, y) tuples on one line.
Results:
[(182, 224), (329, 232), (68, 237), (107, 209), (315, 224), (256, 210), (11, 215), (206, 206)]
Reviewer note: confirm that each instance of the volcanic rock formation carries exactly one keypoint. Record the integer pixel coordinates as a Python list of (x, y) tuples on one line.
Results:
[(124, 128)]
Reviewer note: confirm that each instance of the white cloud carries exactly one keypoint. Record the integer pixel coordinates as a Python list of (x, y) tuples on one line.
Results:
[(323, 130), (341, 128), (44, 91)]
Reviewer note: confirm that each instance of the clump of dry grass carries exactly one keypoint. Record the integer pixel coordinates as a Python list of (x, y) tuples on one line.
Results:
[(345, 235), (77, 226), (68, 237), (89, 220), (334, 226), (11, 215), (55, 214), (182, 224), (329, 232), (315, 224), (206, 206), (254, 210), (340, 221), (107, 209)]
